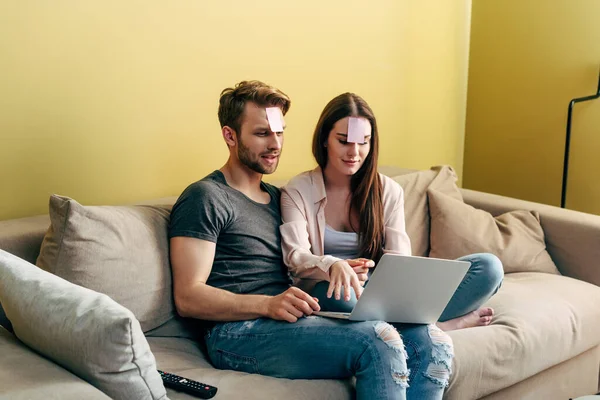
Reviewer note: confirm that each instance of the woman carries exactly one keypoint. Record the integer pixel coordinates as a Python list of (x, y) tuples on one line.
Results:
[(339, 218)]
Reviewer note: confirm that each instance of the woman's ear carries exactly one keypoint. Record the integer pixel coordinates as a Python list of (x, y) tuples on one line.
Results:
[(229, 136)]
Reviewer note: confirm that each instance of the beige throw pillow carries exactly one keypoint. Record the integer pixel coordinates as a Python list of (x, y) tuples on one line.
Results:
[(121, 251), (416, 208), (83, 331), (516, 237)]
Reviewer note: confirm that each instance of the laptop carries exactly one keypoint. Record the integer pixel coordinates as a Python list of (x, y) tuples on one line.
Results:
[(406, 289)]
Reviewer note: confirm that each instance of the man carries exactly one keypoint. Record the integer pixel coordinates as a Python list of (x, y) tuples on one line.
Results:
[(228, 271)]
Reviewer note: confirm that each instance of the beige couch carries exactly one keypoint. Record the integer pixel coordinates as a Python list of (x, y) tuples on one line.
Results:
[(544, 342)]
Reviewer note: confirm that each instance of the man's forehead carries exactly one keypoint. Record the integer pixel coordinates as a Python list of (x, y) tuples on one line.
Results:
[(252, 108), (275, 117), (254, 114), (259, 117)]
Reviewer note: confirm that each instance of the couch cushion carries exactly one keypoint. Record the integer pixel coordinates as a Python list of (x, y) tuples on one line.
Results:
[(515, 237), (541, 320), (84, 331), (416, 207), (121, 251), (184, 357), (25, 375)]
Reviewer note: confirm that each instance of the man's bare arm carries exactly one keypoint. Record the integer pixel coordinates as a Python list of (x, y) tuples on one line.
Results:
[(192, 259)]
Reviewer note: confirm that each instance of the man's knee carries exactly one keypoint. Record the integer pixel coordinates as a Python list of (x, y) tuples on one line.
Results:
[(392, 339)]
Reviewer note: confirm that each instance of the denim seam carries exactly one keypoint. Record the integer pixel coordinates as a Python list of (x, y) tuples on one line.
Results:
[(367, 343), (246, 360), (416, 357)]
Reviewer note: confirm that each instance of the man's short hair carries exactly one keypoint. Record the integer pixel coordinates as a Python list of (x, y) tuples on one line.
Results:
[(233, 100)]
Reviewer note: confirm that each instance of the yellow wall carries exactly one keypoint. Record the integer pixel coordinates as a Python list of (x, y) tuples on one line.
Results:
[(115, 101), (528, 59)]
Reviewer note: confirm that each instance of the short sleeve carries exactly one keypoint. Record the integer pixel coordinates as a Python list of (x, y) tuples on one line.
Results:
[(202, 211)]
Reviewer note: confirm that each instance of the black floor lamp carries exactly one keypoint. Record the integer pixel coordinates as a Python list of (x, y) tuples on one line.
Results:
[(563, 198)]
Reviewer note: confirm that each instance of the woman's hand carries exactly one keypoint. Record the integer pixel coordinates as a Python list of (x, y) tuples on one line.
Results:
[(361, 267), (342, 274)]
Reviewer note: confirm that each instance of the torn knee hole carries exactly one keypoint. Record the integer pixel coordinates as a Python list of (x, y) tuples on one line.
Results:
[(438, 336), (442, 352), (442, 347), (388, 334), (438, 373)]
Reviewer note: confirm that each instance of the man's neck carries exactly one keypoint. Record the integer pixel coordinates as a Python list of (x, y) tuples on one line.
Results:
[(241, 178)]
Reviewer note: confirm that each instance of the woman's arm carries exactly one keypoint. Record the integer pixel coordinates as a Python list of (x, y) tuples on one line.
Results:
[(396, 238), (295, 240)]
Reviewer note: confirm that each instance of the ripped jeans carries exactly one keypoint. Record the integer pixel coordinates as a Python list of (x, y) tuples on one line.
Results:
[(321, 348)]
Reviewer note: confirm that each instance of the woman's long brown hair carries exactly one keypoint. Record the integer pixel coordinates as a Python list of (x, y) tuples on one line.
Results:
[(365, 185)]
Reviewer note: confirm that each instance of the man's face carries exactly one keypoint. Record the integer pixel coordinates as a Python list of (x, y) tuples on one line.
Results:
[(258, 147)]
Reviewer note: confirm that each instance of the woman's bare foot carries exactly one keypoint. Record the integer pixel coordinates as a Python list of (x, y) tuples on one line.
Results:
[(480, 317)]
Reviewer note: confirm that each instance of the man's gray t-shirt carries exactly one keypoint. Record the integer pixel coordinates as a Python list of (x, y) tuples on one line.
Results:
[(248, 258)]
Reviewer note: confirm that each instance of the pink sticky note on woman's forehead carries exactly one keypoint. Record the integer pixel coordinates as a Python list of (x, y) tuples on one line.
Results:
[(358, 128), (275, 118)]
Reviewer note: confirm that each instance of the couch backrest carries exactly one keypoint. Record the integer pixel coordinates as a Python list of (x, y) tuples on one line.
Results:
[(416, 204), (23, 236)]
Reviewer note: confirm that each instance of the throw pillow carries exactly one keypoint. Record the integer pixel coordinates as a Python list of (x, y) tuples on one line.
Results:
[(516, 237), (416, 208), (121, 251), (84, 331)]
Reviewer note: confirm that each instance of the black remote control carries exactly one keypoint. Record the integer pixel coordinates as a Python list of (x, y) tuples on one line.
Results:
[(192, 387)]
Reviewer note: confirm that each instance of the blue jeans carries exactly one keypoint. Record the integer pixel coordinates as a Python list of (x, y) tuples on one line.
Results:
[(415, 366), (481, 282), (320, 348)]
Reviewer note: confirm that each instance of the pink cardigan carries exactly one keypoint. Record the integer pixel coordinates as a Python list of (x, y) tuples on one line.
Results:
[(303, 202)]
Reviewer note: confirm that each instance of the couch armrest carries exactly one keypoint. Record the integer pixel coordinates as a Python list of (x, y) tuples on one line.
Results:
[(572, 237)]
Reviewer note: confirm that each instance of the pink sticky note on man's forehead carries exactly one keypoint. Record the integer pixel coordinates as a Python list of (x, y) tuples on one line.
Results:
[(358, 128), (275, 118)]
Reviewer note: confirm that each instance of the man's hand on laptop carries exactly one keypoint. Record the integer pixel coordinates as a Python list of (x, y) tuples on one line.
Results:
[(342, 274), (290, 305), (361, 267)]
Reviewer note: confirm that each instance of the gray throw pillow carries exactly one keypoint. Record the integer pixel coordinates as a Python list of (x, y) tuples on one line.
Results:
[(121, 251), (84, 331)]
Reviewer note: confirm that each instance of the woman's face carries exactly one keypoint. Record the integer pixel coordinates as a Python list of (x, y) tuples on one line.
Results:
[(346, 157)]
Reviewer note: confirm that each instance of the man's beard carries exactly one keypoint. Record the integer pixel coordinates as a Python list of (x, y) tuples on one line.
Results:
[(246, 158)]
